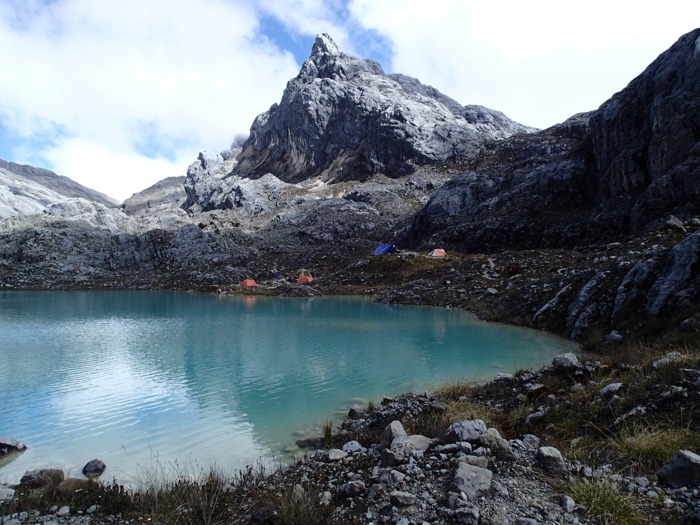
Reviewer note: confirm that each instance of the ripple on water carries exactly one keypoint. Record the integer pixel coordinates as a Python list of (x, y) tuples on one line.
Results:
[(138, 378)]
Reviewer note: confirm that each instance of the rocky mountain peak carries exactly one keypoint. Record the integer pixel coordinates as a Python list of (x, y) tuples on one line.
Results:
[(343, 118), (324, 45)]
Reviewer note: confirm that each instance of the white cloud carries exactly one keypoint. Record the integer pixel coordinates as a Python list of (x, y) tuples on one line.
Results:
[(110, 84), (116, 172), (537, 61), (115, 75)]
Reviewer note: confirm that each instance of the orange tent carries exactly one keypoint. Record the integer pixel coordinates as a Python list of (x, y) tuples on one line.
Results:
[(304, 277), (249, 282), (438, 252)]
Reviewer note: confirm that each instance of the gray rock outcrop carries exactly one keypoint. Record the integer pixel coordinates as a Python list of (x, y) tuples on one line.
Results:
[(682, 471), (604, 174)]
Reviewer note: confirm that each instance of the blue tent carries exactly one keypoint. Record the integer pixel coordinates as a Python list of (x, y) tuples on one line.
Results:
[(384, 248)]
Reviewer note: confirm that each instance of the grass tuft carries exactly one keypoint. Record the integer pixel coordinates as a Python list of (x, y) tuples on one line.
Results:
[(650, 448), (328, 433), (605, 504)]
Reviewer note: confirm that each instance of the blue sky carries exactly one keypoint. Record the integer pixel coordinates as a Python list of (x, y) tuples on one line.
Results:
[(118, 95)]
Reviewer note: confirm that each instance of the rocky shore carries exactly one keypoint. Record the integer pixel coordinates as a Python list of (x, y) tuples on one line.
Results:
[(569, 443)]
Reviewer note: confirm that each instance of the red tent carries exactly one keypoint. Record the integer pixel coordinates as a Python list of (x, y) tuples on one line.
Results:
[(438, 252), (304, 280), (249, 282)]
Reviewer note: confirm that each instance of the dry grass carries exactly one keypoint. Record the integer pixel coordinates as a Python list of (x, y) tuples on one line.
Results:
[(649, 448), (605, 504), (453, 390)]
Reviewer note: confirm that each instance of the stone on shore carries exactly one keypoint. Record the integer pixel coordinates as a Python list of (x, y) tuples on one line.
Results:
[(8, 446), (94, 468), (468, 430), (314, 442), (63, 512), (683, 470), (499, 446), (391, 432), (41, 477), (6, 494), (609, 390), (335, 454), (401, 499), (551, 460), (473, 481), (565, 361)]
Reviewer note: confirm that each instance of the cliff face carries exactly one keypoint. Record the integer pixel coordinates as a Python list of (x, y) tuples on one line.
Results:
[(344, 119), (596, 177)]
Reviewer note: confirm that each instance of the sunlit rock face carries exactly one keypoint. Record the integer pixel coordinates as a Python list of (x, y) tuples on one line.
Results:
[(343, 118)]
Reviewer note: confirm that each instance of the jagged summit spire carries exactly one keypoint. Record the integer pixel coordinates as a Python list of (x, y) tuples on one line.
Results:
[(324, 44)]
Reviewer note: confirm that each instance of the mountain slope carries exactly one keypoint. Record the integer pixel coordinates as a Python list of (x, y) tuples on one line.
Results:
[(26, 189)]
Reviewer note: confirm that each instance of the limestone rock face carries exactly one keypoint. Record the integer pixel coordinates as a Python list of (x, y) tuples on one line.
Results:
[(160, 205), (343, 118)]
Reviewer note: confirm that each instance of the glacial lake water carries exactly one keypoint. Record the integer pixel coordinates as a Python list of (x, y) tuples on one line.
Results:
[(140, 379)]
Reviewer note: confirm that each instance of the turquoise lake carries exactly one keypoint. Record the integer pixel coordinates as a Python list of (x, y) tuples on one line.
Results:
[(143, 378)]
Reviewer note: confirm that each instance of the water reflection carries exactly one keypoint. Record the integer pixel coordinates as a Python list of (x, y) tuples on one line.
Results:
[(126, 376)]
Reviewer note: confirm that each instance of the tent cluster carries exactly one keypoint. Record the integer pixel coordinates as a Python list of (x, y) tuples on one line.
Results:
[(304, 277), (391, 248)]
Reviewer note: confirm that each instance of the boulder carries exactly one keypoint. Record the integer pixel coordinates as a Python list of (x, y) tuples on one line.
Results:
[(565, 361), (352, 489), (41, 477), (499, 446), (674, 223), (468, 430), (477, 461), (315, 442), (613, 338), (683, 470), (533, 418), (7, 446), (94, 468), (335, 454), (610, 390), (6, 494), (473, 481), (391, 432), (352, 447), (551, 460), (399, 498), (404, 445)]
